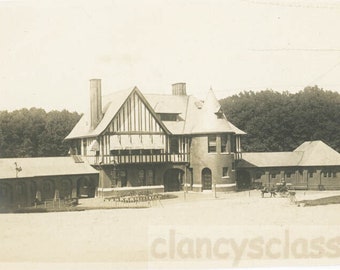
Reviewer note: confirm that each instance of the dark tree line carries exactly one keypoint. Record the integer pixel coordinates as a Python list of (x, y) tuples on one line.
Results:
[(35, 132), (282, 121), (273, 121)]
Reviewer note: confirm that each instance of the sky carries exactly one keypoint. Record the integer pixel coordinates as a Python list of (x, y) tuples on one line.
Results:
[(49, 50)]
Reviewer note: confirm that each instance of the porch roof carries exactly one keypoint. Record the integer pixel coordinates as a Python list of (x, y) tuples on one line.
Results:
[(43, 166)]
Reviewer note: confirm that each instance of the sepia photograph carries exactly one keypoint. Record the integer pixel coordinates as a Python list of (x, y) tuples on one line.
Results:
[(158, 134)]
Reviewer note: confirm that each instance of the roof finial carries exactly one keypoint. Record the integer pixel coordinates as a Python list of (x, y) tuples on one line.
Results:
[(17, 169)]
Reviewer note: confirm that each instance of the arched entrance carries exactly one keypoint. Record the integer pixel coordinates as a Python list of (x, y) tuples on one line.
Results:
[(86, 187), (243, 180), (48, 190), (20, 194), (33, 191), (65, 189), (206, 179), (173, 179)]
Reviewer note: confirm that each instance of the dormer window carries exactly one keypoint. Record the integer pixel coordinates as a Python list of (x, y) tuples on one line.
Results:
[(219, 114), (168, 116)]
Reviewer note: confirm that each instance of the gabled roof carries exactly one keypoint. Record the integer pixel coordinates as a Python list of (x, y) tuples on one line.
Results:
[(112, 104), (311, 153), (318, 153), (196, 117), (43, 166), (270, 159)]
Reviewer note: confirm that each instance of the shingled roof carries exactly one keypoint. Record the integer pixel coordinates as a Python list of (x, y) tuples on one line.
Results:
[(310, 153), (43, 166), (318, 153), (196, 117), (111, 106)]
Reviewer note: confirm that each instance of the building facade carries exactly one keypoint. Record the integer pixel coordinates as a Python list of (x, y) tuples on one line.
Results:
[(24, 181), (170, 141), (312, 165)]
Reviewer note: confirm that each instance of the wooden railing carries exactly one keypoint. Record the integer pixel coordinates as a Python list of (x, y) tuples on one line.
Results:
[(139, 158)]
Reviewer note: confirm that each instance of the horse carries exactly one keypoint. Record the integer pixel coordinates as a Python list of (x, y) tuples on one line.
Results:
[(272, 192)]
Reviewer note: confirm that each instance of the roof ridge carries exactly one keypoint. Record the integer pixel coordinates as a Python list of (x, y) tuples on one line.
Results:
[(186, 112)]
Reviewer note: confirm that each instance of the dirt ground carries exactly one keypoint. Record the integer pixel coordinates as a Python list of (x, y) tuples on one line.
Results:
[(123, 237)]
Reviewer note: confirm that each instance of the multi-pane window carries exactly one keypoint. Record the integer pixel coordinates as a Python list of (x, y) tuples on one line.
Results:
[(211, 143), (141, 177), (150, 177), (311, 174), (85, 147), (329, 174), (225, 171), (168, 116), (174, 146), (224, 140), (123, 178)]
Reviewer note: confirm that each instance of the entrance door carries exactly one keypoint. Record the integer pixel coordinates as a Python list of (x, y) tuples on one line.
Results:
[(6, 194), (243, 180), (206, 179), (173, 179)]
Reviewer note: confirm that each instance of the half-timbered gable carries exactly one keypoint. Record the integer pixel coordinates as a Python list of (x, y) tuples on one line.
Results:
[(134, 130)]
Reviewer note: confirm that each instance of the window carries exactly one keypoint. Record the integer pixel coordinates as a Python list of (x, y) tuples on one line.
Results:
[(150, 177), (123, 178), (85, 147), (324, 174), (141, 177), (174, 146), (258, 175), (288, 174), (114, 152), (224, 140), (219, 114), (273, 175), (20, 188), (146, 151), (311, 174), (168, 116), (225, 171), (135, 152), (125, 152), (233, 166), (211, 143)]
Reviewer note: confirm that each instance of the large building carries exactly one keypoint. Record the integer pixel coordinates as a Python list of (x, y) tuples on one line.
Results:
[(169, 141), (312, 165)]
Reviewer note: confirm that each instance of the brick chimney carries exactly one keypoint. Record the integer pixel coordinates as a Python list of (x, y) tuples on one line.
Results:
[(179, 89), (95, 102)]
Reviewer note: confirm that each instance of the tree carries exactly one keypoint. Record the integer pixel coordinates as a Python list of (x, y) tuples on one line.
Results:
[(33, 132), (281, 121)]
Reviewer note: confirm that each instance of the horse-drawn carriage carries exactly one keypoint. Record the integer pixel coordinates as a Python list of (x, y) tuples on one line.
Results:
[(282, 189)]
